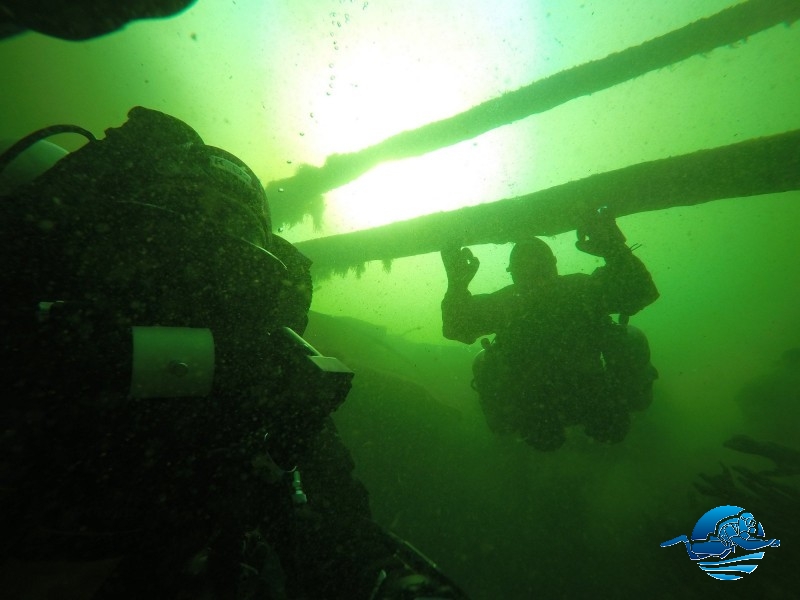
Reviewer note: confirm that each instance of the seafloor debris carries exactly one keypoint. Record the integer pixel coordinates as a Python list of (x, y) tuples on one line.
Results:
[(773, 494)]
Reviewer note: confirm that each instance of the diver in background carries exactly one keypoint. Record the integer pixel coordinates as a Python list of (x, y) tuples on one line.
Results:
[(166, 430), (543, 371), (80, 19)]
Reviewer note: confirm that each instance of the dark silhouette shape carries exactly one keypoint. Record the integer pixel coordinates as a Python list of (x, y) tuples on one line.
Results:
[(543, 371), (81, 19)]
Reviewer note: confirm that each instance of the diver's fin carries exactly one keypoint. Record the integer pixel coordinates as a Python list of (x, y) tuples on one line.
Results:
[(680, 538)]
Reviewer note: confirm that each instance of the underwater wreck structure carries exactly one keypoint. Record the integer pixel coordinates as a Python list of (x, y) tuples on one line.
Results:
[(764, 165)]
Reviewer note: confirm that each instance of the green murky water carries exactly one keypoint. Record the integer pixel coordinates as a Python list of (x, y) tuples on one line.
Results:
[(284, 84)]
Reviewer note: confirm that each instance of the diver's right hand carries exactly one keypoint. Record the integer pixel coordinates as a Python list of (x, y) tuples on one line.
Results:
[(460, 265)]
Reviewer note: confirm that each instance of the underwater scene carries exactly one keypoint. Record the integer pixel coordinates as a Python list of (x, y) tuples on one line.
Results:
[(389, 136)]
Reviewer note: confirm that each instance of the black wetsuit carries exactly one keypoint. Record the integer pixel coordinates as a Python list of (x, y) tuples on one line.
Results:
[(544, 370), (246, 492)]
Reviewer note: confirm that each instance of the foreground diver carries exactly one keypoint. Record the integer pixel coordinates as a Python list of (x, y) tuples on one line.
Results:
[(543, 371), (166, 430)]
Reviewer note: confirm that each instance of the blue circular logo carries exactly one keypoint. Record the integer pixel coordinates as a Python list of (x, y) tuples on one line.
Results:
[(716, 538)]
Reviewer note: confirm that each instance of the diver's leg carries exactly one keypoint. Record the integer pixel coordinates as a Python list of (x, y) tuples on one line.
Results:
[(498, 409), (605, 416), (542, 426)]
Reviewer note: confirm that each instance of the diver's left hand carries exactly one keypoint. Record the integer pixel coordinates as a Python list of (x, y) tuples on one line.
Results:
[(461, 266)]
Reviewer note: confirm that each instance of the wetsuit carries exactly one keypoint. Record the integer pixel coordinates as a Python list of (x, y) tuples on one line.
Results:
[(544, 370), (242, 491)]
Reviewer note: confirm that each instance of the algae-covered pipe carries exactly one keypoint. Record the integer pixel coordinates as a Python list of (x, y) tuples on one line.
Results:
[(294, 197), (763, 165)]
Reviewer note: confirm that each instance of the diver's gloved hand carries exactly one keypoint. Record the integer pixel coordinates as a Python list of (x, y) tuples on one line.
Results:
[(404, 584), (599, 234), (410, 575), (460, 265)]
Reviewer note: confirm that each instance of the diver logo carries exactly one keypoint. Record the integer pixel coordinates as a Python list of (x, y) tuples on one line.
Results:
[(717, 534)]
